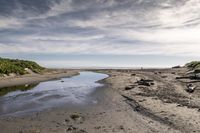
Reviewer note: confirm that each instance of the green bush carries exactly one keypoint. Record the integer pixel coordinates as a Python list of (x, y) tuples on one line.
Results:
[(8, 66)]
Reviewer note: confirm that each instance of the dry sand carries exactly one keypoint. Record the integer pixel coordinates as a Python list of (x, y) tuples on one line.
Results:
[(164, 107), (36, 78)]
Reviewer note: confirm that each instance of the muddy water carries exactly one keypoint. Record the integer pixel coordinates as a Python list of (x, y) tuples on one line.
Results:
[(77, 90)]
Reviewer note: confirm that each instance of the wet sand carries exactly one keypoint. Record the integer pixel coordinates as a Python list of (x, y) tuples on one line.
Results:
[(126, 107)]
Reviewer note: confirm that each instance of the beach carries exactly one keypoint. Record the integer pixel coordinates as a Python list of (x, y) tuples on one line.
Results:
[(126, 106), (33, 78)]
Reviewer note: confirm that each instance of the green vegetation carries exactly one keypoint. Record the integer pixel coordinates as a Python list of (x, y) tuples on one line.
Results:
[(16, 66), (194, 65)]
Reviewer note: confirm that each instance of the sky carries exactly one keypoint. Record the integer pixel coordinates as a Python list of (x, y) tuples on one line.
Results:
[(101, 33)]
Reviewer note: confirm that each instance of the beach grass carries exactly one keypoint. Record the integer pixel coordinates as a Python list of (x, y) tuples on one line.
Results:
[(194, 65), (16, 66)]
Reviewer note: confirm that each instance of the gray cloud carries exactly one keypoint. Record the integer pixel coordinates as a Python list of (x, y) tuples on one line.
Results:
[(100, 26)]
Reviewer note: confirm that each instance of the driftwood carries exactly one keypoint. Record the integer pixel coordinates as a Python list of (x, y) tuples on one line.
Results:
[(145, 82), (190, 88), (189, 77)]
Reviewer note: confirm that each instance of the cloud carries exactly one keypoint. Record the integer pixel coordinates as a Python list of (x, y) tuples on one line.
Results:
[(115, 27), (9, 22)]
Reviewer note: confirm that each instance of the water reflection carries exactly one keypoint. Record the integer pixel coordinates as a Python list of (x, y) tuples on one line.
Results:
[(76, 90), (6, 90)]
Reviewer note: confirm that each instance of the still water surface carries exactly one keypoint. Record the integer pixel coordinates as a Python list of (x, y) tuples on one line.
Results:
[(77, 90)]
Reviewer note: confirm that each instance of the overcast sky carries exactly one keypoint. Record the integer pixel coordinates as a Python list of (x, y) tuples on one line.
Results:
[(123, 33)]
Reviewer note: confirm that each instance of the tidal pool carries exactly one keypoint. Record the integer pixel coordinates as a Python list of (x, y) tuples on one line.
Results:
[(77, 90)]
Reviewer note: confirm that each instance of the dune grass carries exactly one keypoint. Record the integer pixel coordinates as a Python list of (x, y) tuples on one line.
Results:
[(194, 65), (16, 66)]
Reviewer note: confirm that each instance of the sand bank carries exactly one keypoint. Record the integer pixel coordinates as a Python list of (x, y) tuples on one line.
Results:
[(36, 78)]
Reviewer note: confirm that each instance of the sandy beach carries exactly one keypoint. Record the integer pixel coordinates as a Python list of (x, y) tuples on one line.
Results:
[(33, 78), (126, 107)]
